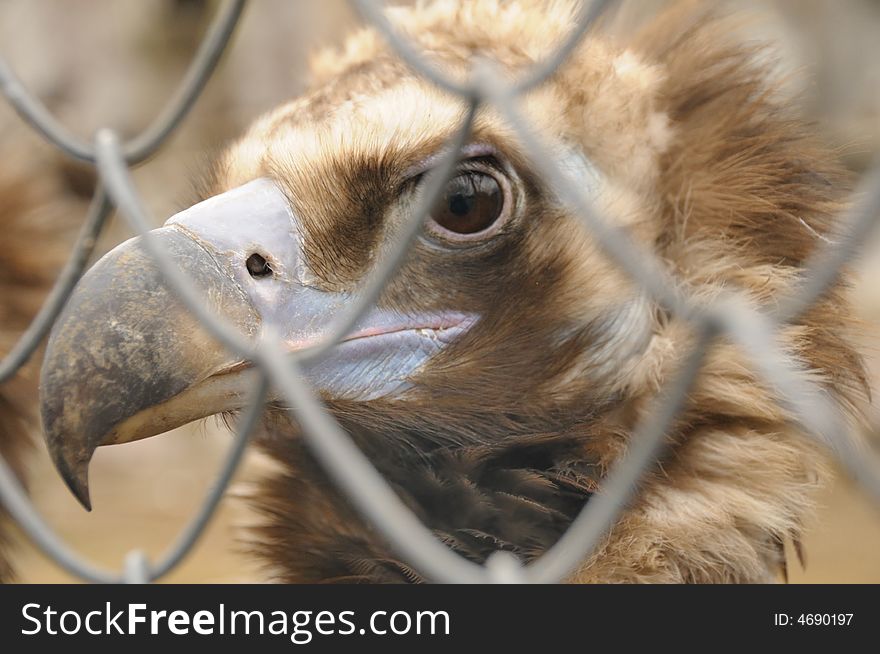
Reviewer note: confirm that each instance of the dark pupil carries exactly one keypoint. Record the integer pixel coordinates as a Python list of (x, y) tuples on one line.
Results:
[(471, 203)]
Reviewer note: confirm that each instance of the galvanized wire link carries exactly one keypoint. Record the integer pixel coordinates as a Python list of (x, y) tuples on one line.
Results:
[(730, 316), (17, 504), (826, 263), (370, 291), (205, 61), (367, 490), (591, 10), (29, 341), (193, 531), (641, 266), (601, 511)]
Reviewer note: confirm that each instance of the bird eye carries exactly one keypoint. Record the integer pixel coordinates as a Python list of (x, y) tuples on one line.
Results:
[(257, 266), (471, 203)]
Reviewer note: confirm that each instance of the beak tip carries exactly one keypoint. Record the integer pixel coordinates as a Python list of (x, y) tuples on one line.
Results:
[(80, 490), (76, 476), (83, 497)]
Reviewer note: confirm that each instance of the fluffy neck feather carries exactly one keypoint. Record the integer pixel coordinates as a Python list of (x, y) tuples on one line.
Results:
[(517, 493)]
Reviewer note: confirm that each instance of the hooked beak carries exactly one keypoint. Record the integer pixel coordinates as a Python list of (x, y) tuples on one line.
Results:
[(126, 360)]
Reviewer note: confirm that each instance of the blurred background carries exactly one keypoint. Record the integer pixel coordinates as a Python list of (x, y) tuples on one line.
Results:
[(99, 63)]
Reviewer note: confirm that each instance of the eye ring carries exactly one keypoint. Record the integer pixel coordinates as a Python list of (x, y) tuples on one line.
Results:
[(473, 207)]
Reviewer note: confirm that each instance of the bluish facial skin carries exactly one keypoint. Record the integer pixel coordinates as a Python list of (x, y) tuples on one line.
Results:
[(371, 367), (385, 349)]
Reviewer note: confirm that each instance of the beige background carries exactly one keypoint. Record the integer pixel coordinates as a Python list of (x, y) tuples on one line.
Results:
[(113, 62)]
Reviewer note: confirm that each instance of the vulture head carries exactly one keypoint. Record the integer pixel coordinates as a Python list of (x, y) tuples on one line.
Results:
[(502, 371)]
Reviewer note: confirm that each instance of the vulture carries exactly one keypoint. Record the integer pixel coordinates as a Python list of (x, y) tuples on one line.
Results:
[(499, 377)]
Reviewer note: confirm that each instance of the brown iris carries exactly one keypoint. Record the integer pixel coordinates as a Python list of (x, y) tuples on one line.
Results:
[(471, 203)]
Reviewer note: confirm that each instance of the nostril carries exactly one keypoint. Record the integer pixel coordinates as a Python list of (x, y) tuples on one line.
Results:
[(258, 266)]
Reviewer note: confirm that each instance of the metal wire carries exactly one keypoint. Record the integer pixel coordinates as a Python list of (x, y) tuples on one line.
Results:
[(730, 316), (29, 341), (212, 47)]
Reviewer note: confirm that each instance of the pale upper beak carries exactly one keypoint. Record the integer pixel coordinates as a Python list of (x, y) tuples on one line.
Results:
[(127, 360)]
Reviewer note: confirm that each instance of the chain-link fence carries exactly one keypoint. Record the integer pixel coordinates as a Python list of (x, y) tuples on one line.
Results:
[(729, 316)]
